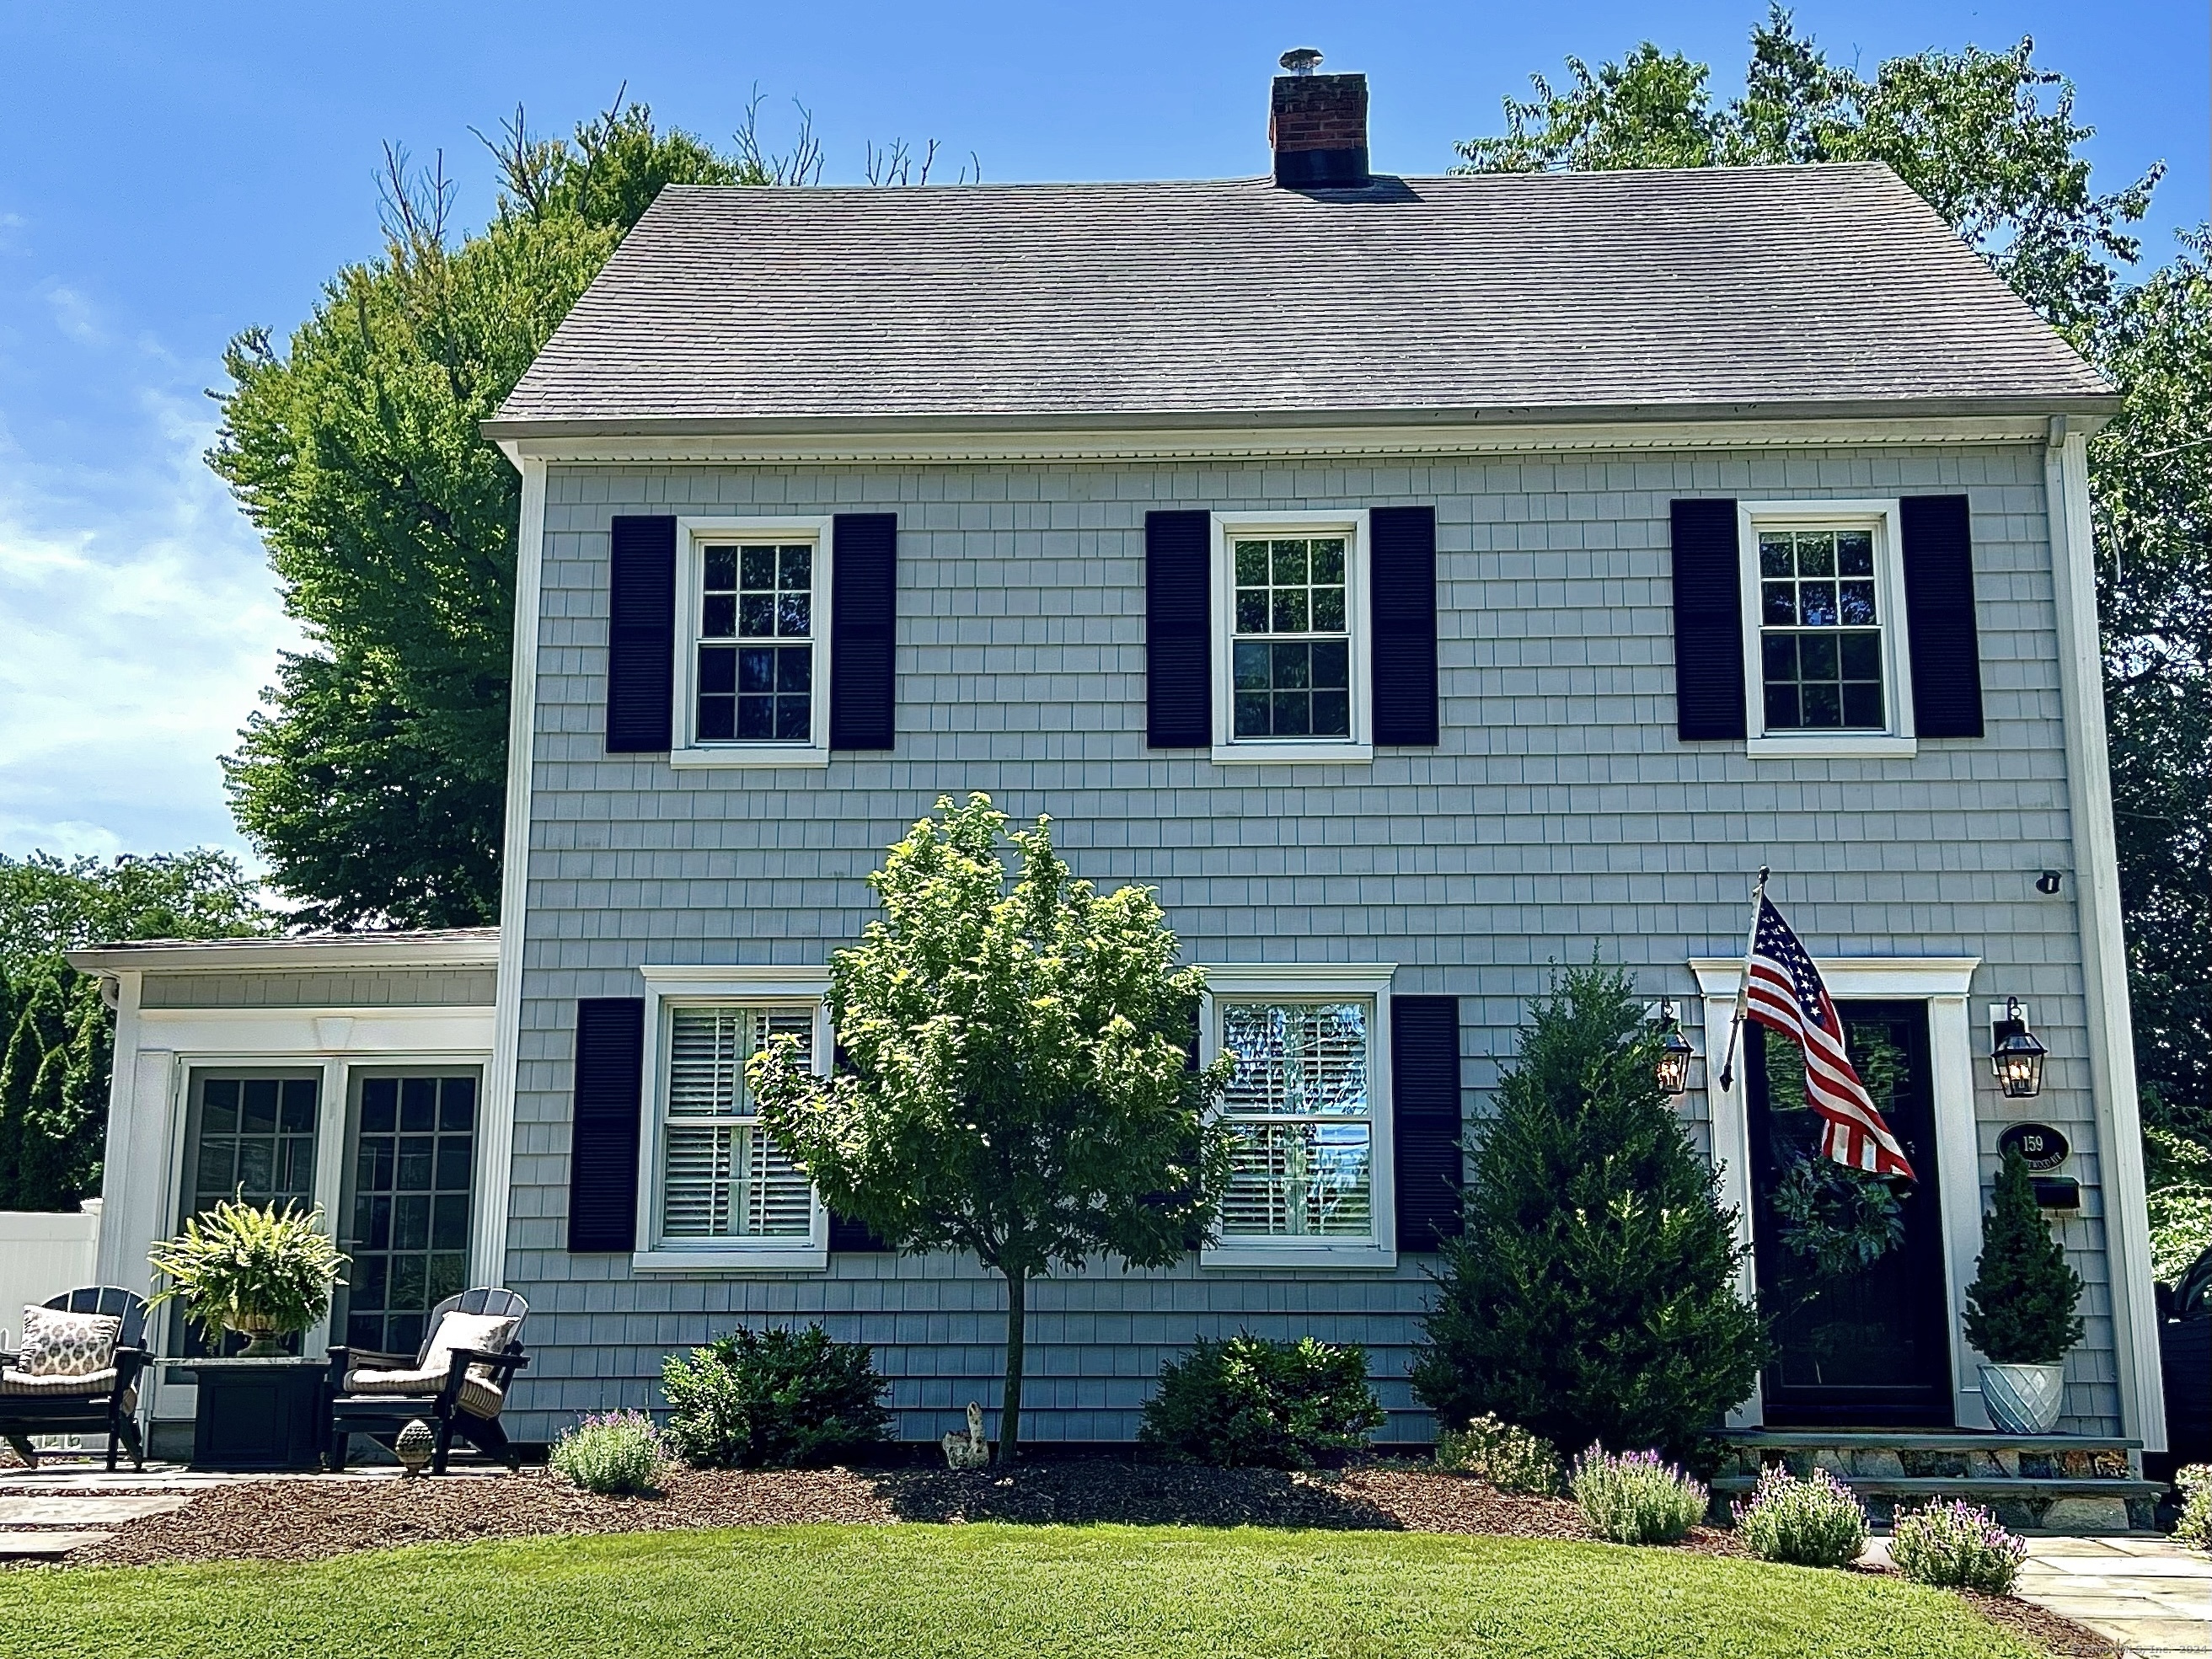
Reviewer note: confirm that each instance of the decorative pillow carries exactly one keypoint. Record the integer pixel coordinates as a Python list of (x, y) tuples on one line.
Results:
[(483, 1332), (59, 1344)]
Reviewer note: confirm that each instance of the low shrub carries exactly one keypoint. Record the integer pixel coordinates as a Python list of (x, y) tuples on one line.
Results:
[(1252, 1402), (2195, 1528), (616, 1452), (1637, 1498), (1959, 1545), (1509, 1459), (1815, 1522), (773, 1399)]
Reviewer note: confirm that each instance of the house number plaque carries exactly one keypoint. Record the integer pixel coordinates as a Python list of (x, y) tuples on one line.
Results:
[(2039, 1145)]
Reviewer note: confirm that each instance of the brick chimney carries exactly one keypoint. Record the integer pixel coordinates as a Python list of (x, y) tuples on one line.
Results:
[(1317, 126)]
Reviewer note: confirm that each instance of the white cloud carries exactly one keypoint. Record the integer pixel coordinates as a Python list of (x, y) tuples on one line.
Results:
[(74, 315), (138, 623)]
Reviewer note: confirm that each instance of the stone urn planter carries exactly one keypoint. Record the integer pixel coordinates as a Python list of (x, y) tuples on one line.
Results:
[(2023, 1399)]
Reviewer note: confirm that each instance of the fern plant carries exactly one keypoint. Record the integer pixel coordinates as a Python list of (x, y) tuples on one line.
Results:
[(261, 1270)]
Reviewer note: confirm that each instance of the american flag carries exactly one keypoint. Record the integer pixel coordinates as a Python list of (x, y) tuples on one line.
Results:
[(1783, 993)]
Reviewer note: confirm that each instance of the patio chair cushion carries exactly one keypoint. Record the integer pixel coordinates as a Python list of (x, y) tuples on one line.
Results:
[(478, 1397), (75, 1346), (88, 1385)]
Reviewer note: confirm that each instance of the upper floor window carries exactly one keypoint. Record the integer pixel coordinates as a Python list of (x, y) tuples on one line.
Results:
[(752, 685), (1825, 628), (1291, 649)]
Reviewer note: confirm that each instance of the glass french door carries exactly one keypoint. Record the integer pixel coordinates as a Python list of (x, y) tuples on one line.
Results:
[(410, 1188), (249, 1135), (1850, 1265)]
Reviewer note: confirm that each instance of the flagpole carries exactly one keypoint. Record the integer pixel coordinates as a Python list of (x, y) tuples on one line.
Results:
[(1743, 980)]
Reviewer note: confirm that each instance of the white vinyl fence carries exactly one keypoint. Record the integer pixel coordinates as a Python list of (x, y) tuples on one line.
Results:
[(42, 1255)]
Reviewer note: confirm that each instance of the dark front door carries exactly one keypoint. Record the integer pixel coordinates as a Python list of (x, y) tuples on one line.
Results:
[(1850, 1269)]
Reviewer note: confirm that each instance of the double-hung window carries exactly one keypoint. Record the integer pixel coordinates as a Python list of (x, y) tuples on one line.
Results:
[(1825, 628), (1291, 638), (720, 1190), (752, 642), (1310, 1177)]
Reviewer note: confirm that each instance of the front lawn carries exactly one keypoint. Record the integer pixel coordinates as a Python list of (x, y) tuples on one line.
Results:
[(910, 1591)]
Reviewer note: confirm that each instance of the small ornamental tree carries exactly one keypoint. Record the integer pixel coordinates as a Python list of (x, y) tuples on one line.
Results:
[(1592, 1296), (1013, 1076), (2019, 1308)]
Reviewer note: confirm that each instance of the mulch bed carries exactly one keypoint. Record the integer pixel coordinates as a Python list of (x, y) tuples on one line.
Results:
[(307, 1520)]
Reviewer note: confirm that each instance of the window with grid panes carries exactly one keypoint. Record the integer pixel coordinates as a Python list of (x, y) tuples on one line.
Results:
[(755, 668), (722, 1175), (1290, 642), (1820, 631), (254, 1138), (1303, 1165), (413, 1184)]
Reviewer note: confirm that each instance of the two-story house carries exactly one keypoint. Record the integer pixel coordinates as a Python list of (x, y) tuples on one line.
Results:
[(1419, 582)]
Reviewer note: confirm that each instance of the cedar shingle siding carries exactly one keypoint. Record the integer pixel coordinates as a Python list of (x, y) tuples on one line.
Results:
[(1558, 813)]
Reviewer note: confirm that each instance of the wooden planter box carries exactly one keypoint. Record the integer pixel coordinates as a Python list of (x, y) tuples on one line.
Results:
[(260, 1414)]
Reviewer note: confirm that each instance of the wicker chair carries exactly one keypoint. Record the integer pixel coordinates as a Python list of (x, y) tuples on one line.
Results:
[(458, 1391), (104, 1403)]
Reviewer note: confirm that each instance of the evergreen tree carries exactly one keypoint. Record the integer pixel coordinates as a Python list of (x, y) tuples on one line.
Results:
[(2019, 1308), (33, 1164), (1593, 1295)]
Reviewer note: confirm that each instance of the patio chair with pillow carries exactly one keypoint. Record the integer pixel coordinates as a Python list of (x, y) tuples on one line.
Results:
[(472, 1349), (76, 1371)]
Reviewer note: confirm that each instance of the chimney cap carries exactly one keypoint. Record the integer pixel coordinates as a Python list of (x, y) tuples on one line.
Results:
[(1301, 60)]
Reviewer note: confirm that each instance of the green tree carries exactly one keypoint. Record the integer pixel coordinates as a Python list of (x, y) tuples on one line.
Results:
[(374, 783), (57, 1038), (1011, 1077), (2019, 1308), (1593, 1295)]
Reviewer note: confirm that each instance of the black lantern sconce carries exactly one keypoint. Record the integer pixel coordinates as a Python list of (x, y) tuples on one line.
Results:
[(2015, 1057), (1674, 1051)]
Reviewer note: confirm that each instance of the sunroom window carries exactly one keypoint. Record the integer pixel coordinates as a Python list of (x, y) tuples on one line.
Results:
[(1304, 1118), (723, 1177)]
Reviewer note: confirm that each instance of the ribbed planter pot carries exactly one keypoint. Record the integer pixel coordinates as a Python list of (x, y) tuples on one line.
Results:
[(2023, 1399)]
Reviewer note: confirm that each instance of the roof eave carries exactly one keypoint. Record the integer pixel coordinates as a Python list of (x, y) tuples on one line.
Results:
[(473, 948)]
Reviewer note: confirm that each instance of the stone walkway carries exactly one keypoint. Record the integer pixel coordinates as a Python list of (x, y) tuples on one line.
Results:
[(2148, 1594)]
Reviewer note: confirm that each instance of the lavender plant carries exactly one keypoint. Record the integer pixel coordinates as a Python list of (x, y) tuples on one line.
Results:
[(1814, 1522), (1957, 1545), (1637, 1498), (617, 1454)]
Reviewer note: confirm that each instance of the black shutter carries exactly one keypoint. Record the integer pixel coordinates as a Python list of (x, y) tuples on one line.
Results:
[(863, 631), (1178, 645), (641, 635), (1402, 581), (853, 1237), (1708, 622), (1424, 1110), (603, 1141), (1939, 611)]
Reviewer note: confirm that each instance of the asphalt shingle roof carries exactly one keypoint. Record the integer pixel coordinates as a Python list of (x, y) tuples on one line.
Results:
[(1741, 289)]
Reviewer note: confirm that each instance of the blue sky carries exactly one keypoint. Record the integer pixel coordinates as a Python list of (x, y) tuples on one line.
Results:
[(171, 174)]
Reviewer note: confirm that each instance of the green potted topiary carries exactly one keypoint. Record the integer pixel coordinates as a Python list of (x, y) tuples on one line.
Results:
[(262, 1271), (2019, 1308)]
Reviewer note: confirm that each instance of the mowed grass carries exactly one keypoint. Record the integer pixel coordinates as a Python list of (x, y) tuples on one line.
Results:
[(911, 1592)]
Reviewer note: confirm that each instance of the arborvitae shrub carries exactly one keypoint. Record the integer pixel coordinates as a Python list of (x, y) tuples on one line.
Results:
[(1248, 1401), (773, 1399), (2019, 1308), (1593, 1294)]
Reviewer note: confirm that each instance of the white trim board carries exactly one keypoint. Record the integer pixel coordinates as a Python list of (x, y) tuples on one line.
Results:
[(1941, 983)]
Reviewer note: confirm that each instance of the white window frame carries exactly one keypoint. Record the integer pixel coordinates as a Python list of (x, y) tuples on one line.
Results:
[(692, 536), (1368, 982), (667, 988), (1881, 516), (1228, 748)]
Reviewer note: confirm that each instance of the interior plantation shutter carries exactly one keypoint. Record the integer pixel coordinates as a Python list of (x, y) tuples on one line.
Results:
[(864, 630), (1708, 622), (640, 635), (1402, 581), (1178, 642), (1939, 616), (724, 1177), (604, 1132), (1425, 1107)]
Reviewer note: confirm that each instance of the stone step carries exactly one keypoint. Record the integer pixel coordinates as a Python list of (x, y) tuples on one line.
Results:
[(1920, 1440), (72, 1510), (2094, 1508), (48, 1545)]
